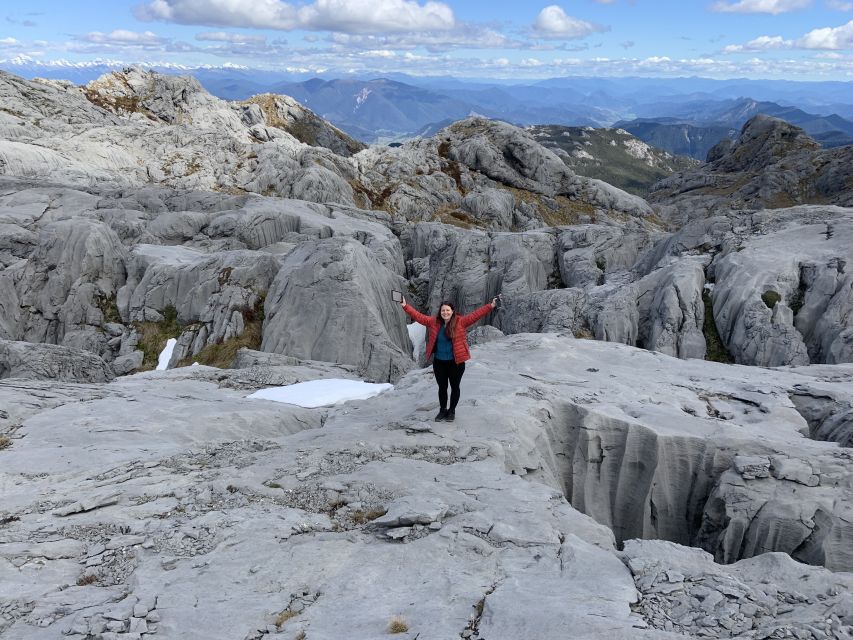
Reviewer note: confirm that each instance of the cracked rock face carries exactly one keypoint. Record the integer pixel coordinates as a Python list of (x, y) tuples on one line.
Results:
[(313, 516)]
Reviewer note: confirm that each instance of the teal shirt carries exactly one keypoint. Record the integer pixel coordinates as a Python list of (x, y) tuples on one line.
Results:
[(443, 346)]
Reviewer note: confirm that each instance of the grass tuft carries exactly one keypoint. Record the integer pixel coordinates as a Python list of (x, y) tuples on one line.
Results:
[(5, 442), (108, 308), (153, 336), (87, 579), (770, 298), (715, 350), (397, 625), (284, 616), (222, 354)]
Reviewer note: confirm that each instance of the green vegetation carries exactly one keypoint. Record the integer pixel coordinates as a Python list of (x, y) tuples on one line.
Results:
[(5, 442), (591, 152), (109, 308), (153, 336), (770, 298), (222, 354), (715, 349)]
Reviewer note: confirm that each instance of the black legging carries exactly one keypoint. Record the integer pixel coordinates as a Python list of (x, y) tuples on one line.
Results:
[(448, 371)]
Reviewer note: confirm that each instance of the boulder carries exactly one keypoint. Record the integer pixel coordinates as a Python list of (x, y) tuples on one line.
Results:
[(31, 361)]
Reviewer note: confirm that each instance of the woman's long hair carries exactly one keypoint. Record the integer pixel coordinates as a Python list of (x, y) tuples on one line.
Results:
[(450, 329)]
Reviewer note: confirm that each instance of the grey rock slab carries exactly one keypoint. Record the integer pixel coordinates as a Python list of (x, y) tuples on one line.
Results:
[(280, 513), (329, 302), (33, 361)]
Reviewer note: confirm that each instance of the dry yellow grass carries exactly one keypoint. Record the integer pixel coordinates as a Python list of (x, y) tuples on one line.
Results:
[(397, 625), (284, 616)]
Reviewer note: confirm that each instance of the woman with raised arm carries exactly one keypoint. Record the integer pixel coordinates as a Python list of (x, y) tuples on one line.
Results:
[(447, 344)]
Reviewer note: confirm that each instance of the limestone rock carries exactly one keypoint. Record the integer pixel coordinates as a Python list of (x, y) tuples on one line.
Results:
[(51, 362), (329, 302)]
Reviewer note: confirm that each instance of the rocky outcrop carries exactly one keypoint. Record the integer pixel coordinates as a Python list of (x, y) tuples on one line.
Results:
[(30, 361), (771, 165), (161, 128), (329, 302), (790, 265), (283, 112)]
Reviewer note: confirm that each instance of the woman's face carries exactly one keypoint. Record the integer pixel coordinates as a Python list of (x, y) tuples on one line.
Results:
[(446, 312)]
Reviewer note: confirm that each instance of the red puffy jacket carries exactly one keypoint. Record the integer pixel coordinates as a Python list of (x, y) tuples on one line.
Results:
[(460, 338)]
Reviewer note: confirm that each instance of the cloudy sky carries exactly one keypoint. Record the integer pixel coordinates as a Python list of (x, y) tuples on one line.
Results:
[(795, 39)]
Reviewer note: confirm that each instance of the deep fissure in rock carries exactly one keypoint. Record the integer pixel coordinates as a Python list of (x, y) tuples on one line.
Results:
[(683, 489)]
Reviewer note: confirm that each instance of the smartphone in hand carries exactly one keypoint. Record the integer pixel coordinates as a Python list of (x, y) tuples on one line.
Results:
[(498, 301), (396, 296)]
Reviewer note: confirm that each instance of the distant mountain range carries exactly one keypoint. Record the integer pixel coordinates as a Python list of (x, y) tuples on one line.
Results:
[(685, 116), (694, 128)]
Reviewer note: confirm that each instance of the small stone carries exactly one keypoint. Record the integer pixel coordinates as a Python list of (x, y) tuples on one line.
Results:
[(138, 625), (153, 616), (398, 533)]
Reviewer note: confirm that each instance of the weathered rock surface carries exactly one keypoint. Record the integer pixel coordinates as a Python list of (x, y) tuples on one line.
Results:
[(311, 517), (329, 302), (32, 361), (771, 165), (160, 129)]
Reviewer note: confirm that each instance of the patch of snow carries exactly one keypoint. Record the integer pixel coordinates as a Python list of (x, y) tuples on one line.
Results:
[(166, 354), (612, 143), (583, 154), (417, 334), (321, 393)]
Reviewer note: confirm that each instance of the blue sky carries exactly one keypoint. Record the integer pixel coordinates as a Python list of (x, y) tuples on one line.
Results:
[(790, 39)]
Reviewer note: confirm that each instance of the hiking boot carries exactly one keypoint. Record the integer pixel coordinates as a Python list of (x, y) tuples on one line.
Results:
[(441, 416), (450, 416)]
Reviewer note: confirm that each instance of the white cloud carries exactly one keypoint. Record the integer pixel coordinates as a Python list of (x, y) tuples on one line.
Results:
[(839, 5), (827, 38), (123, 37), (349, 16), (832, 38), (761, 43), (464, 37), (8, 41), (378, 53), (235, 38), (774, 7), (553, 22)]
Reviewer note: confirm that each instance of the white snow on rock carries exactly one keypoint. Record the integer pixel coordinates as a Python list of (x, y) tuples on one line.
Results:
[(166, 354), (417, 334), (322, 393)]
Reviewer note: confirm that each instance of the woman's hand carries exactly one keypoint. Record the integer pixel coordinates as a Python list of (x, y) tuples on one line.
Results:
[(494, 302), (403, 302)]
